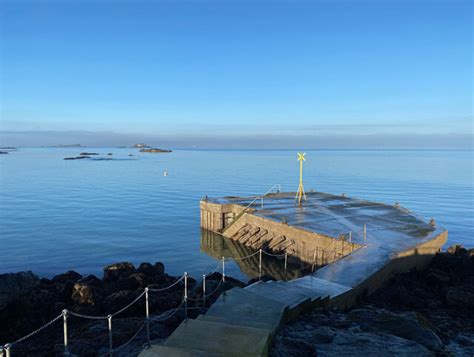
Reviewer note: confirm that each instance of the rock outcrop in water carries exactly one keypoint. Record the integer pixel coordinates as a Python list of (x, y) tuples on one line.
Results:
[(28, 302), (422, 313), (155, 150)]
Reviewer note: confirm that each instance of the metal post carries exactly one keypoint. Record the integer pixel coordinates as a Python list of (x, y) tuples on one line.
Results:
[(286, 260), (260, 265), (365, 234), (185, 295), (111, 346), (350, 236), (66, 348), (223, 269), (7, 349), (204, 289), (147, 312)]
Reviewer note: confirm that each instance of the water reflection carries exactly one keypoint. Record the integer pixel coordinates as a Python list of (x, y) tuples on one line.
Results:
[(218, 246)]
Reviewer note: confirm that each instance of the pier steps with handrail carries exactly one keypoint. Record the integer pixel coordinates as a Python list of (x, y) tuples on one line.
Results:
[(243, 321)]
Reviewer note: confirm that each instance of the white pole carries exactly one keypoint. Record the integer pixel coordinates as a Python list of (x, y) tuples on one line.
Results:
[(286, 260), (186, 295), (147, 313), (260, 265), (204, 289), (66, 348), (223, 269), (111, 346), (350, 236), (7, 349)]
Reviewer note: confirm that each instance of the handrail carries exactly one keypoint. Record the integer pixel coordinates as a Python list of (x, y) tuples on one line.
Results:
[(6, 349)]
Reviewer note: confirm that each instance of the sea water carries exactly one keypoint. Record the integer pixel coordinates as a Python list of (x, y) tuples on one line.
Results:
[(57, 215)]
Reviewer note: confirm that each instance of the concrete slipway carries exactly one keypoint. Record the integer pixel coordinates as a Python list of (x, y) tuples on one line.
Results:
[(243, 321)]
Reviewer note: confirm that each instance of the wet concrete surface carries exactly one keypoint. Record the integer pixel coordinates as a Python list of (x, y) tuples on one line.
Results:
[(391, 229)]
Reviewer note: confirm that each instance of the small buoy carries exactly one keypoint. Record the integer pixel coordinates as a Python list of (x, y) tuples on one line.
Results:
[(165, 173)]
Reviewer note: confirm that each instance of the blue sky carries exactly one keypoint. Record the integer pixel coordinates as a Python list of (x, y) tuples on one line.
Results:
[(203, 69)]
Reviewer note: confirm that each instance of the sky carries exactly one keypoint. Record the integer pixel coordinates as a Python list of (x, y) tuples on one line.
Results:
[(228, 73)]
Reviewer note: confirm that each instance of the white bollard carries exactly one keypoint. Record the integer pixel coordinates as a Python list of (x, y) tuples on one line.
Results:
[(111, 346), (204, 289), (147, 313), (185, 295), (66, 347), (7, 349), (223, 269), (286, 260), (260, 265)]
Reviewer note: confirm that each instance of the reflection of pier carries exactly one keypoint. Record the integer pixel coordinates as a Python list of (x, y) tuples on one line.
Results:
[(219, 246)]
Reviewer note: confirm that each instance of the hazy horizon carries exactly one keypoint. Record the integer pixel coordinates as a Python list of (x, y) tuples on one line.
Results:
[(263, 74)]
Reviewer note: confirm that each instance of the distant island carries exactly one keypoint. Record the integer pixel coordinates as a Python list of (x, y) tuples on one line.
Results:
[(154, 150), (67, 146)]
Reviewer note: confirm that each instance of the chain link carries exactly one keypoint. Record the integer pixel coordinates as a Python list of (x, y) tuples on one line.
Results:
[(37, 330), (89, 317), (129, 305), (168, 287), (128, 342), (154, 319)]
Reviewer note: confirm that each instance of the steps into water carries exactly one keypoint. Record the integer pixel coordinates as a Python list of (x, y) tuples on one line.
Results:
[(243, 321)]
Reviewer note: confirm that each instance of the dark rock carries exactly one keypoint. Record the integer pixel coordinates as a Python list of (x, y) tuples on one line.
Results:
[(3, 152), (84, 294), (155, 150), (159, 268), (370, 344), (88, 153), (402, 325), (118, 300), (458, 297), (91, 280), (109, 153), (70, 275), (118, 271), (14, 284), (148, 269), (289, 346)]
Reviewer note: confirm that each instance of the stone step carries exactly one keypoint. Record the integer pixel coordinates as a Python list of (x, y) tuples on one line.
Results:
[(297, 288), (244, 308), (321, 287), (279, 292), (166, 351), (219, 338)]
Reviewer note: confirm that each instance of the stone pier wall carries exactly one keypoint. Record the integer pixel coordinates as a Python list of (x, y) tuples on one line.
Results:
[(257, 232)]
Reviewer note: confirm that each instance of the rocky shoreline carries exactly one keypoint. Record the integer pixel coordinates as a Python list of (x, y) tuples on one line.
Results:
[(422, 313), (27, 302)]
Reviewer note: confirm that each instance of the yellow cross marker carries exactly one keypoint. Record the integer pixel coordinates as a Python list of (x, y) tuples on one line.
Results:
[(300, 194)]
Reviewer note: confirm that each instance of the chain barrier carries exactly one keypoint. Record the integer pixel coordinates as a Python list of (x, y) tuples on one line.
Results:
[(128, 342), (242, 258), (89, 317), (129, 305), (155, 319), (168, 287), (6, 348), (31, 334), (273, 255)]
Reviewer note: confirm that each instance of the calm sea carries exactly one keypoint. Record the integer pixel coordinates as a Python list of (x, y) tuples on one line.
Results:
[(57, 215)]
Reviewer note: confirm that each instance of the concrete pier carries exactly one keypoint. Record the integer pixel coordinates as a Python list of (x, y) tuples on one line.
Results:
[(365, 243)]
